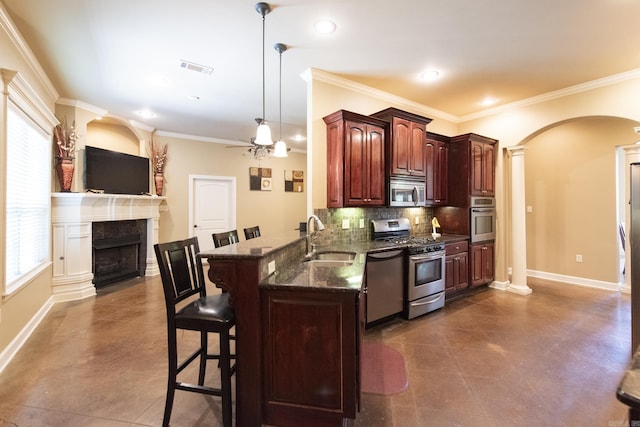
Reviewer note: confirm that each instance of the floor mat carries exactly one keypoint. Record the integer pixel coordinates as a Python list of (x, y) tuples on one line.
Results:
[(383, 370)]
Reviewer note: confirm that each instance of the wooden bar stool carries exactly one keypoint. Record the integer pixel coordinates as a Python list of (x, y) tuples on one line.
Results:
[(183, 282), (252, 232), (226, 238)]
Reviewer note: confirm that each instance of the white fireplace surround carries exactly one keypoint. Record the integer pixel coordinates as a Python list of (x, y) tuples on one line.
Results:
[(72, 215)]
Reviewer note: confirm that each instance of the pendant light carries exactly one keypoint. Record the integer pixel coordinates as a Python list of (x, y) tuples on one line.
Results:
[(280, 147), (263, 135)]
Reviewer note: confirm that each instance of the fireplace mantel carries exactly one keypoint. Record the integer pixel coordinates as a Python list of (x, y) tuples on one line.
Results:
[(72, 215)]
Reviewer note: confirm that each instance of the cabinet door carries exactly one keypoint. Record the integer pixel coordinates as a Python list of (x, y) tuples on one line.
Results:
[(355, 157), (416, 149), (400, 141), (488, 170), (310, 357), (440, 173), (477, 177), (430, 167), (407, 152), (335, 164), (462, 267), (482, 270), (450, 274), (374, 166), (482, 170)]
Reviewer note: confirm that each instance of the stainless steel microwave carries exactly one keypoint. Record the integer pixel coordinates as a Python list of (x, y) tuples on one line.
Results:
[(406, 192)]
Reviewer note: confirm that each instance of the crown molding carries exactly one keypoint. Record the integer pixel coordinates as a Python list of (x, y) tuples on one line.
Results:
[(323, 76), (10, 29), (560, 93), (82, 105)]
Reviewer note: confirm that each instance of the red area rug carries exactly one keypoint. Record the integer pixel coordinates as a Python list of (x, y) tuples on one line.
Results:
[(383, 370)]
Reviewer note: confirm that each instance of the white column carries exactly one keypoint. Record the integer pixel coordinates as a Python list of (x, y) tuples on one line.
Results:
[(518, 224)]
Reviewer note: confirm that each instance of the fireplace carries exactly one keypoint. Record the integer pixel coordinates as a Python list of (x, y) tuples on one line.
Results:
[(72, 219), (118, 251)]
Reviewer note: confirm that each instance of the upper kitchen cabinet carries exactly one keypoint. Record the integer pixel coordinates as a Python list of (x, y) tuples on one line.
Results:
[(355, 160), (436, 169), (471, 168), (406, 142)]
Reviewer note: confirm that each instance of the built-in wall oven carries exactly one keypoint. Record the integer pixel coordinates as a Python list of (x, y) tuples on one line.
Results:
[(483, 219), (426, 280)]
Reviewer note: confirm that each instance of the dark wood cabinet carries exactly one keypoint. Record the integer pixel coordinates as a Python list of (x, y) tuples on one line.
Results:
[(456, 267), (406, 142), (482, 259), (311, 363), (436, 169), (471, 168), (355, 160), (482, 169)]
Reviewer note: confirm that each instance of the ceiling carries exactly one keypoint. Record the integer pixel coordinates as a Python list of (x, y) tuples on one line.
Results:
[(107, 53)]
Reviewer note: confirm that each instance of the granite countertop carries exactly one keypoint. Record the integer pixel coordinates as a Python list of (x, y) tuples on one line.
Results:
[(254, 248), (629, 389), (308, 275)]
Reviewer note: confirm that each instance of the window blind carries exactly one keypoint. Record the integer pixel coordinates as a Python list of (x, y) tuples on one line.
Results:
[(28, 198)]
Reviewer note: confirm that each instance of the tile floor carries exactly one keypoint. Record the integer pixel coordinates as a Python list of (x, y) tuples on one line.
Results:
[(553, 358)]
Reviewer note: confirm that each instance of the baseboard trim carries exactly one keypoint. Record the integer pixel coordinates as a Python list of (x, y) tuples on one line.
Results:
[(580, 281), (10, 351)]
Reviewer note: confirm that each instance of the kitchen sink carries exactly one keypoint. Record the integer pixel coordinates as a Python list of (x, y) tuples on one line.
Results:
[(332, 259), (334, 256)]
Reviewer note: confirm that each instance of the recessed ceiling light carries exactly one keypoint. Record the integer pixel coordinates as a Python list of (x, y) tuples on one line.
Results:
[(193, 97), (299, 138), (430, 75), (325, 26), (146, 114), (488, 101)]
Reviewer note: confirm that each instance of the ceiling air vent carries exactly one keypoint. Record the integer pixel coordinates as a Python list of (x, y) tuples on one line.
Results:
[(202, 69)]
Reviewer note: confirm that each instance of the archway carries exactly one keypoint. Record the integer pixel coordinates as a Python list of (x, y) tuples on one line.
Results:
[(571, 208)]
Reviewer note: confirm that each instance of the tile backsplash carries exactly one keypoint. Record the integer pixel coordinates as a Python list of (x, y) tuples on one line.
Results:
[(333, 221)]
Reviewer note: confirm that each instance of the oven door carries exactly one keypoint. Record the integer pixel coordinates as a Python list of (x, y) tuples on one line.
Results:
[(426, 275), (483, 224)]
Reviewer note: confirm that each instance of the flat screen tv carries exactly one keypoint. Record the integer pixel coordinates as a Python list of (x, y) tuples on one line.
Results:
[(114, 172)]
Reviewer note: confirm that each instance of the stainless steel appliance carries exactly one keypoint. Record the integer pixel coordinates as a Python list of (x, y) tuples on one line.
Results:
[(385, 284), (425, 279), (425, 271), (483, 219), (406, 192)]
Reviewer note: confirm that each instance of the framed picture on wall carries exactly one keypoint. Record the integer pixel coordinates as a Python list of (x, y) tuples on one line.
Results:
[(260, 179), (294, 181)]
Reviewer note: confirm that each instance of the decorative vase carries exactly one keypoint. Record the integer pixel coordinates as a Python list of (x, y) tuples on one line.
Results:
[(159, 180), (64, 171)]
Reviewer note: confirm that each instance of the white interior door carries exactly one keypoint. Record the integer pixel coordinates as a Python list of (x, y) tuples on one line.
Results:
[(212, 207)]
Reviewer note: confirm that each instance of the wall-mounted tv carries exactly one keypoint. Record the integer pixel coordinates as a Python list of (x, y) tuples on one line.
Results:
[(114, 172)]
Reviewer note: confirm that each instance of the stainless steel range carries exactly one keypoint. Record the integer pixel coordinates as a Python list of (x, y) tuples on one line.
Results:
[(424, 288)]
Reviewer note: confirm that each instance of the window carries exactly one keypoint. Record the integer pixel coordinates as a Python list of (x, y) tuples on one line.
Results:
[(28, 198)]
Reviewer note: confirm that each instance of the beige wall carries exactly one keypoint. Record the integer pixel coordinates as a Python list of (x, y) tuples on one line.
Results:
[(274, 211), (17, 310), (571, 186)]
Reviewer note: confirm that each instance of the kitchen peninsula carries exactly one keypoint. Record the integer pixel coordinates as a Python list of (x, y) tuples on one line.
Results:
[(298, 330)]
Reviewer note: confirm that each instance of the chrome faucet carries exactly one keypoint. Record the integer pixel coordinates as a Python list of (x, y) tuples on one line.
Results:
[(318, 226)]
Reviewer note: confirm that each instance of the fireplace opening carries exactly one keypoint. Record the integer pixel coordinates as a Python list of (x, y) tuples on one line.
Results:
[(118, 249)]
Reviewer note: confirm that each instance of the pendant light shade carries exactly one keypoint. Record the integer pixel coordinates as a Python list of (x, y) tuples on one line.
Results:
[(263, 135), (281, 147)]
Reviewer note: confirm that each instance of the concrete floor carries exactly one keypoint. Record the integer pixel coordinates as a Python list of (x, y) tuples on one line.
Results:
[(552, 358)]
